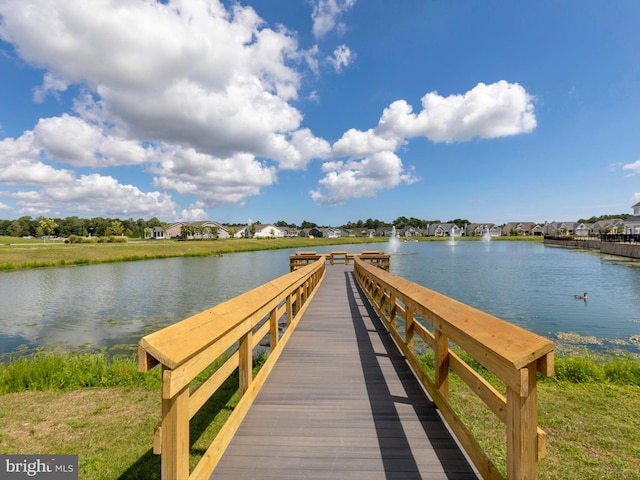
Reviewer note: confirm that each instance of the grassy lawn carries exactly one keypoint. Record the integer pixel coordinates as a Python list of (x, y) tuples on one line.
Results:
[(593, 428), (19, 253)]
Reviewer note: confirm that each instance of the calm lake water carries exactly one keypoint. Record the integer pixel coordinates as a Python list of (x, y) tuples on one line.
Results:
[(528, 284)]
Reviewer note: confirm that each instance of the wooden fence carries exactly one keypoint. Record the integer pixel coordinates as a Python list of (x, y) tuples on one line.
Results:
[(187, 348), (513, 354)]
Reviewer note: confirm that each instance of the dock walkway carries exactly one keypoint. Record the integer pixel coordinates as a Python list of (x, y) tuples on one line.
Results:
[(341, 403)]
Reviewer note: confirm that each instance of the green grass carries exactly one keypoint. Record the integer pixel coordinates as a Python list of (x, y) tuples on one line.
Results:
[(64, 371), (26, 253), (104, 410), (589, 411)]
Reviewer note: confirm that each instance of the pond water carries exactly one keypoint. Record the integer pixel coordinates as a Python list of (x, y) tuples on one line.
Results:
[(525, 283)]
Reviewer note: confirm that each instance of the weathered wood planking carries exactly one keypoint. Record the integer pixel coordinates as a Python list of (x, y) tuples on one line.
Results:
[(341, 402)]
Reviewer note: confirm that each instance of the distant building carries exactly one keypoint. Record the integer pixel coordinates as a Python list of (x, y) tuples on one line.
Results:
[(632, 224)]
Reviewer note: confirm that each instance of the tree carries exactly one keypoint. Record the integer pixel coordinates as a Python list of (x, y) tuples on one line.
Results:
[(117, 228), (48, 226), (306, 224)]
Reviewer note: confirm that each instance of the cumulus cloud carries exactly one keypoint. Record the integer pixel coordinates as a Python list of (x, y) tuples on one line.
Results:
[(202, 97), (73, 141), (326, 15), (342, 57), (20, 164), (216, 181), (362, 178), (486, 111), (633, 168), (98, 193), (159, 79), (636, 196)]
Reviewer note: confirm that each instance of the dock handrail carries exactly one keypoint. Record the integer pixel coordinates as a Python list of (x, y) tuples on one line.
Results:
[(513, 354), (187, 348), (375, 257)]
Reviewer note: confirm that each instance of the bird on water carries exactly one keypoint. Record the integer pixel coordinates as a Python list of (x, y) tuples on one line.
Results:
[(582, 297)]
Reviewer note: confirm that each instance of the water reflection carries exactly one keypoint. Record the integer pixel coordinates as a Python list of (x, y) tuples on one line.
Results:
[(528, 284)]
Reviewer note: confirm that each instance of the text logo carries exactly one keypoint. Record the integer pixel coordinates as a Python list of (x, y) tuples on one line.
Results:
[(49, 467)]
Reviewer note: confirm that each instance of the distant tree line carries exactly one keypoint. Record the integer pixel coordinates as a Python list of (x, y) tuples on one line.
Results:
[(622, 216), (106, 226), (28, 226)]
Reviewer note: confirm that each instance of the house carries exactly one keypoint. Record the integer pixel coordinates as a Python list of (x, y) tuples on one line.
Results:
[(444, 230), (518, 228), (175, 230), (205, 229), (611, 225), (267, 231), (538, 230), (331, 232), (315, 232), (384, 232), (632, 224), (208, 229), (584, 229), (411, 232), (242, 232), (479, 229), (157, 232)]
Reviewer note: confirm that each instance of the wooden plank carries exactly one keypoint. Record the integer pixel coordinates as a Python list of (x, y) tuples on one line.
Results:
[(341, 402)]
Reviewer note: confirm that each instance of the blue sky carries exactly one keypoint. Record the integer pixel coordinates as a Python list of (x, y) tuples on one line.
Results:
[(320, 110)]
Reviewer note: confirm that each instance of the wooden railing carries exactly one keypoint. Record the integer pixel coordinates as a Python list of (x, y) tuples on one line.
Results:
[(187, 348), (513, 354), (375, 257)]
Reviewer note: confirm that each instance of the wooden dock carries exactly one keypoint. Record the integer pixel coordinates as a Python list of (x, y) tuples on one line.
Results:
[(342, 403)]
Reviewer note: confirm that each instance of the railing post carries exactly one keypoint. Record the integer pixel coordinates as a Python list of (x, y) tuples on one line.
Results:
[(273, 329), (175, 435), (442, 363), (409, 329), (392, 310), (521, 424), (289, 310), (245, 365)]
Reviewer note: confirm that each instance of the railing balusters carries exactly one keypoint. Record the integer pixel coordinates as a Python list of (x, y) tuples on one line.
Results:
[(469, 329), (442, 363), (186, 348)]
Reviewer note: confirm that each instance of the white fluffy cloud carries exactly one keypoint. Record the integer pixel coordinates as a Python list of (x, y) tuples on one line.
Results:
[(161, 79), (486, 111), (633, 168), (204, 99), (20, 164), (73, 141), (342, 57), (326, 15), (363, 178), (216, 181)]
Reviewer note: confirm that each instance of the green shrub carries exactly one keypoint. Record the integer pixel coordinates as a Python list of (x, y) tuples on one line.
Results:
[(68, 371), (623, 371)]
